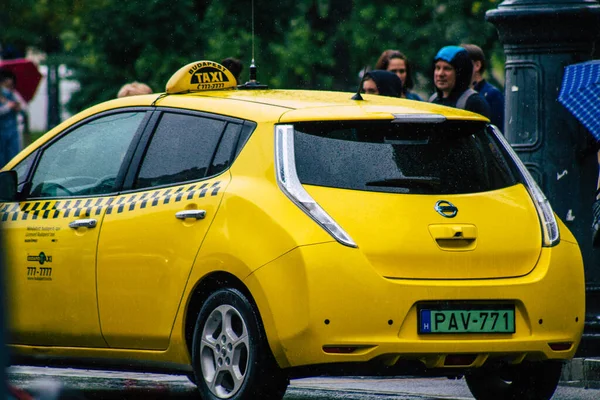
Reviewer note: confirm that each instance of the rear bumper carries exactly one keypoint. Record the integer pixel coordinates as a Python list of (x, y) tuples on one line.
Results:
[(329, 295)]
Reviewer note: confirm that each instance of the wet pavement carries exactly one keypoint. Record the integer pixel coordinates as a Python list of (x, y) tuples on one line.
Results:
[(92, 384)]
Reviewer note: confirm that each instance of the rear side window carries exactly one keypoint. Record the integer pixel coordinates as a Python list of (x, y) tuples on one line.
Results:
[(453, 157), (224, 153), (182, 149)]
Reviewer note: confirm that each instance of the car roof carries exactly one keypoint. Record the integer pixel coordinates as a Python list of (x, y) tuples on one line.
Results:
[(293, 105)]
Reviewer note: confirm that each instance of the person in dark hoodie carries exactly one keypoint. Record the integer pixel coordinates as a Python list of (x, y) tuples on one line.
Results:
[(491, 94), (453, 70), (383, 83)]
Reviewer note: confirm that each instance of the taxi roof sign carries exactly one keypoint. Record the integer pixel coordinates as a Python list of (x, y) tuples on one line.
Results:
[(199, 76)]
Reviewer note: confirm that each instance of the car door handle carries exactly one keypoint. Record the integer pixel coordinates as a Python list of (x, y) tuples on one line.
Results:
[(83, 223), (196, 214)]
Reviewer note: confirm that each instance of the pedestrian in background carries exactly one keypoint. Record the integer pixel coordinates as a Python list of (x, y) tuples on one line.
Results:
[(397, 63), (234, 66), (452, 75), (22, 115), (10, 106), (134, 89), (383, 83), (493, 96)]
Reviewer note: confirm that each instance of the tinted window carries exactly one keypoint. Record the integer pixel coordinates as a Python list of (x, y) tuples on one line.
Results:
[(86, 161), (445, 158), (247, 130), (180, 150), (22, 168), (226, 149)]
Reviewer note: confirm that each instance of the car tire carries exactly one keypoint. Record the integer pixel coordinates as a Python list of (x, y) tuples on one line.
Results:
[(528, 381), (230, 354)]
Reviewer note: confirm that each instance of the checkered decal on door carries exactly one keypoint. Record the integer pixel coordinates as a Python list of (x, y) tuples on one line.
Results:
[(53, 209)]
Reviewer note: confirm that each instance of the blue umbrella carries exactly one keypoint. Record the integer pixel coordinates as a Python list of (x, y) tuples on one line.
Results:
[(580, 94)]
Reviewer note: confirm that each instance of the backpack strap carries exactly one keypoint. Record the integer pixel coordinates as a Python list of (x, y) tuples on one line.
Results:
[(462, 100)]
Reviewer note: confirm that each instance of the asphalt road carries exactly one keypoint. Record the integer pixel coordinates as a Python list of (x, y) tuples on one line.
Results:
[(89, 384)]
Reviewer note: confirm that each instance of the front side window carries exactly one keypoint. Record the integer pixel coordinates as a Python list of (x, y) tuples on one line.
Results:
[(86, 160), (453, 157), (22, 168), (181, 149)]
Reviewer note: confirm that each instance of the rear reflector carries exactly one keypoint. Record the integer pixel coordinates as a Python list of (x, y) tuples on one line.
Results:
[(460, 359), (561, 346), (339, 349)]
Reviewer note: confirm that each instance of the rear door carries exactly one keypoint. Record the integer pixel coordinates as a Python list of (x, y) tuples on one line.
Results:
[(151, 234), (422, 200)]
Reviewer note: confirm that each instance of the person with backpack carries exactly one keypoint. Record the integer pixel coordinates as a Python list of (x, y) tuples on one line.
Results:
[(453, 70), (493, 95)]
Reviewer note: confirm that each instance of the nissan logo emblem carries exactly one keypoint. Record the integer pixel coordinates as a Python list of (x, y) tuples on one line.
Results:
[(446, 209)]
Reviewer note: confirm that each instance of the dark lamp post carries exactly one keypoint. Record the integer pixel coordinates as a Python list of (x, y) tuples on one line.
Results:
[(540, 38)]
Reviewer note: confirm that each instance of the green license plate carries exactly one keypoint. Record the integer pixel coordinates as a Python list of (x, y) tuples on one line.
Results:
[(468, 320)]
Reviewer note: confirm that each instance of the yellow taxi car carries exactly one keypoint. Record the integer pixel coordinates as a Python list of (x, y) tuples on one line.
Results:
[(246, 237)]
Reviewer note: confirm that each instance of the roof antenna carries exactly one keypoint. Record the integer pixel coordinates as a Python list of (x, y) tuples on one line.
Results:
[(357, 96), (252, 83)]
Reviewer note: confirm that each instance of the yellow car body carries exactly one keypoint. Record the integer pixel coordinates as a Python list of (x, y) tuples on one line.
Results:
[(127, 291)]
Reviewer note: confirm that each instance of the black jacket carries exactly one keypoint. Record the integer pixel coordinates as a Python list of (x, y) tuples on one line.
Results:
[(495, 99)]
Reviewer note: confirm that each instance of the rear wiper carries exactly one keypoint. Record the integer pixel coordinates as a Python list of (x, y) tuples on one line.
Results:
[(415, 182)]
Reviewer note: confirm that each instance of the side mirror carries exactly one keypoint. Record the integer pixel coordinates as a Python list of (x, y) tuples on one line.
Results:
[(8, 186)]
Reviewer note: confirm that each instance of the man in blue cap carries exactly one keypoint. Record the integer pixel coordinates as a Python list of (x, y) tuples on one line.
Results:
[(453, 70)]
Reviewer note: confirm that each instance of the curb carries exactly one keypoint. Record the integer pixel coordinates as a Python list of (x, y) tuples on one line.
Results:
[(582, 372)]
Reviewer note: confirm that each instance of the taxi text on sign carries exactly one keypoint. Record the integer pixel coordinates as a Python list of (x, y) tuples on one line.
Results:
[(200, 75)]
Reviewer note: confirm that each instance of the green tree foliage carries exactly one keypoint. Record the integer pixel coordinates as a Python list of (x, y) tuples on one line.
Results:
[(309, 44), (115, 42), (36, 23), (323, 44)]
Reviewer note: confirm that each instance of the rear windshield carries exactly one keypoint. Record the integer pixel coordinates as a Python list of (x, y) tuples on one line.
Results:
[(453, 157)]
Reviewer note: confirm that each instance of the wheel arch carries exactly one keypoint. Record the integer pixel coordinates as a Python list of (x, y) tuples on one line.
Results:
[(204, 288)]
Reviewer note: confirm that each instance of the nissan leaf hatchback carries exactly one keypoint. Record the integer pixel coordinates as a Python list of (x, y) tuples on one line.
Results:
[(246, 237)]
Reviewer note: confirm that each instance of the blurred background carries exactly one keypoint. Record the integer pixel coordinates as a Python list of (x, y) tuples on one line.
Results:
[(87, 50)]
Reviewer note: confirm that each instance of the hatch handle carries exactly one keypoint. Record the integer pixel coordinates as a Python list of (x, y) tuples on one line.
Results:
[(453, 231), (454, 237)]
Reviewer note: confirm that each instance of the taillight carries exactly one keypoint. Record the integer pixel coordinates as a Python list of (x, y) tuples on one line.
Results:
[(287, 178), (550, 232)]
